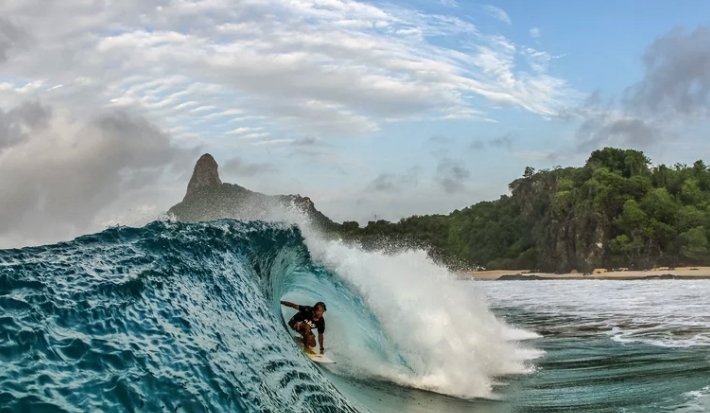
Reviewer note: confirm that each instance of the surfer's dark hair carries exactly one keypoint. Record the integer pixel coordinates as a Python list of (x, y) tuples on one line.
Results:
[(322, 304)]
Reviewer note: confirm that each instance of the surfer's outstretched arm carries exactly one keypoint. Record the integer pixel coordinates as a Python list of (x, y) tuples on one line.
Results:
[(289, 304)]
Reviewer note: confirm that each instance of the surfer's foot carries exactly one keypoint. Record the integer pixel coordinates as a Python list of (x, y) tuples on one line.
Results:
[(309, 350)]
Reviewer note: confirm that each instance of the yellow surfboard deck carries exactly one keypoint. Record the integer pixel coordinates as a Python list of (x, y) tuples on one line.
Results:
[(318, 358)]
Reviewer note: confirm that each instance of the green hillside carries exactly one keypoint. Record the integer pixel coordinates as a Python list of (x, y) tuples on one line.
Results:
[(615, 211)]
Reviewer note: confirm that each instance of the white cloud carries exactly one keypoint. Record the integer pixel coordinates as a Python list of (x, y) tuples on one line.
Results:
[(667, 104), (497, 13), (537, 60), (448, 3), (273, 142), (243, 130), (535, 32), (247, 76), (254, 135), (347, 64), (61, 177)]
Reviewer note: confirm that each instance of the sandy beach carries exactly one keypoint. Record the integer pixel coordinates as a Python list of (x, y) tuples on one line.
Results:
[(598, 274)]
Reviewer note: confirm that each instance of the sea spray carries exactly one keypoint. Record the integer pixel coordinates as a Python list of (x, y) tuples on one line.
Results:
[(447, 338), (433, 334)]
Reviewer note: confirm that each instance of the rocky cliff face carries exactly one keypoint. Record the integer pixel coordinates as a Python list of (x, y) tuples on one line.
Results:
[(208, 198), (569, 236), (204, 176)]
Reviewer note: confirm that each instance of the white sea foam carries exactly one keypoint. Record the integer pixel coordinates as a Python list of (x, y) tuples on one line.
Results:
[(697, 401), (446, 335), (435, 334), (668, 313)]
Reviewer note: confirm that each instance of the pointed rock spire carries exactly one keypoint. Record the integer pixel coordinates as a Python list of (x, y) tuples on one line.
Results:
[(204, 176)]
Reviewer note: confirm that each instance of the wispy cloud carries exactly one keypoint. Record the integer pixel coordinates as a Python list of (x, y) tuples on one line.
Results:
[(309, 142), (448, 3), (537, 60), (391, 182), (341, 69), (673, 94), (239, 167), (273, 142), (535, 32), (451, 174), (497, 13), (503, 141), (440, 139), (243, 131)]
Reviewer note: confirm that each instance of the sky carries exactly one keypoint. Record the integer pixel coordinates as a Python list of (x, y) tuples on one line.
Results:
[(373, 109)]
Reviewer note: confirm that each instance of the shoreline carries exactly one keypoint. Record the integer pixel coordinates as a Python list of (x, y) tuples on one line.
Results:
[(664, 273)]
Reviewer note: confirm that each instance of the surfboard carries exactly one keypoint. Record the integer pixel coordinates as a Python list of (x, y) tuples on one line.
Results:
[(318, 358)]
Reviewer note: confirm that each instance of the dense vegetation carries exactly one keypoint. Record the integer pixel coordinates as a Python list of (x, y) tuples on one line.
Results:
[(615, 211)]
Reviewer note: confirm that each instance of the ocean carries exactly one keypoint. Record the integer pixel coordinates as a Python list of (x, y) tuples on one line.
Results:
[(185, 317)]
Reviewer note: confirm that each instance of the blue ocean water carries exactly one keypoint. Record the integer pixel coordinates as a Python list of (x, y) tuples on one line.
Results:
[(185, 317), (611, 345)]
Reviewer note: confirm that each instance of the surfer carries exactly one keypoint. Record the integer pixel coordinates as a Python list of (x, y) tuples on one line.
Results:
[(305, 320)]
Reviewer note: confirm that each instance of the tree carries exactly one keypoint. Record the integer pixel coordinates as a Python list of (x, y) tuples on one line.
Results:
[(529, 171), (695, 245), (627, 163)]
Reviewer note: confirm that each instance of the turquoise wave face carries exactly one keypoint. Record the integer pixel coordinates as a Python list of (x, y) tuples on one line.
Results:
[(168, 317), (186, 317)]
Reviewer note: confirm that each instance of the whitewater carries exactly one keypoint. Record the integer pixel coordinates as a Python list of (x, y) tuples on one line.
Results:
[(178, 316)]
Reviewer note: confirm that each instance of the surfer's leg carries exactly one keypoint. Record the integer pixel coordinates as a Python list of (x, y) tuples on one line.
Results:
[(308, 338)]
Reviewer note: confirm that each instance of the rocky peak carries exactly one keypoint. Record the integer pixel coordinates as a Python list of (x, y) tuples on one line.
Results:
[(207, 198), (303, 202), (204, 176)]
